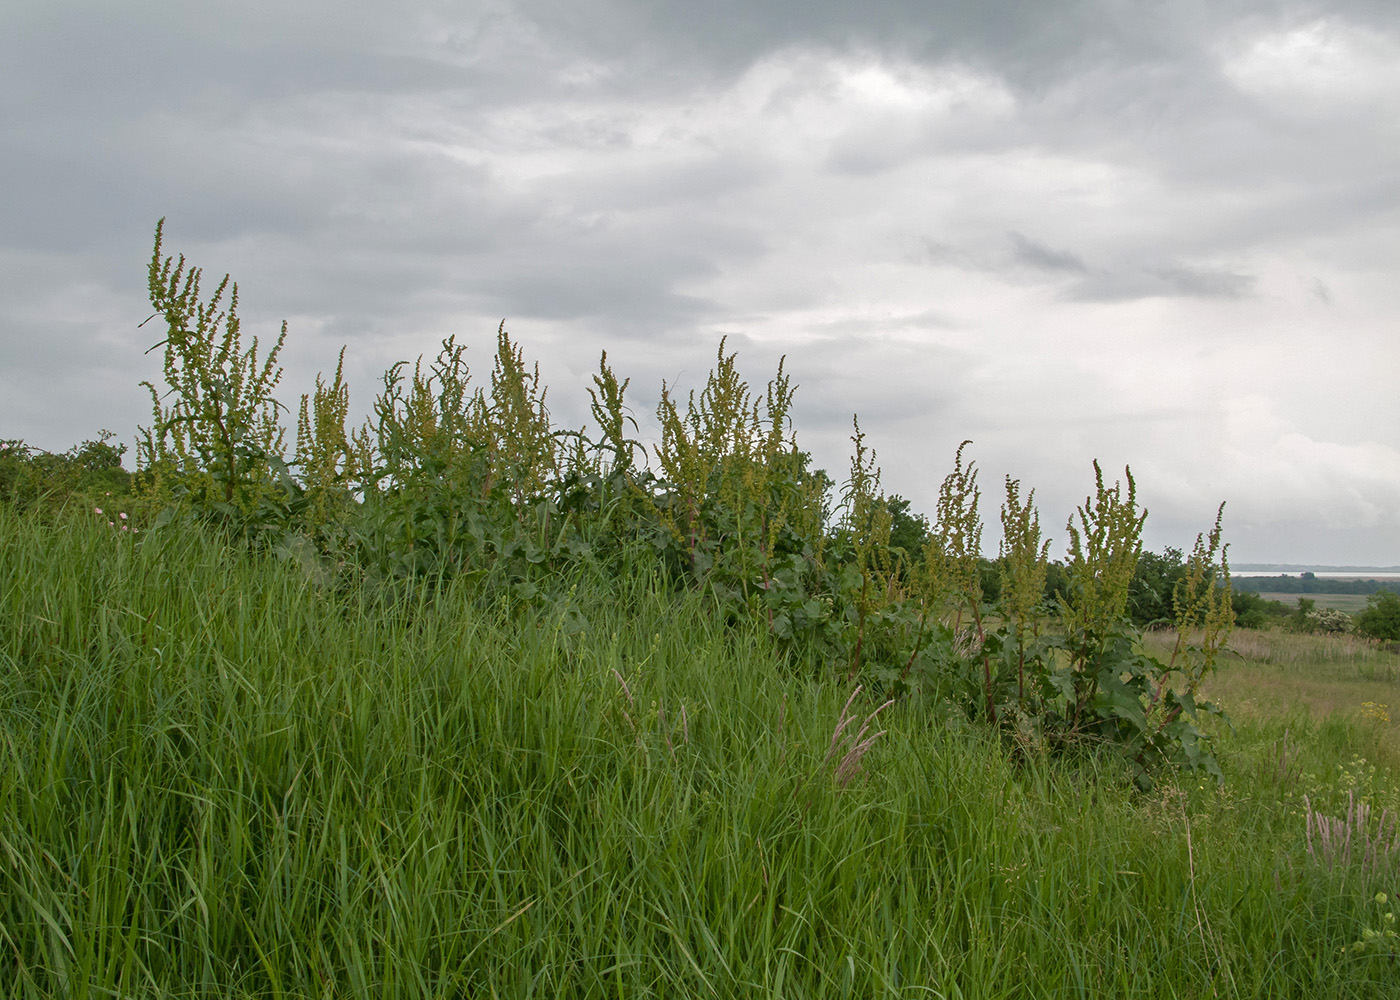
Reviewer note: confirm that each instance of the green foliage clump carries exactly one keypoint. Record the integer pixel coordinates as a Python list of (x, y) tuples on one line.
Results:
[(456, 480), (1252, 611), (1308, 618), (1088, 678), (1330, 620), (33, 479), (1153, 586), (1299, 620), (1381, 617), (908, 530)]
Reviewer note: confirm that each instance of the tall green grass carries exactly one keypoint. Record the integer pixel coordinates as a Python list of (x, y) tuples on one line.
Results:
[(217, 779)]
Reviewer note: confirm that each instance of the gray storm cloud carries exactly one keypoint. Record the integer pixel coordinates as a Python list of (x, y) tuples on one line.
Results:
[(1160, 235)]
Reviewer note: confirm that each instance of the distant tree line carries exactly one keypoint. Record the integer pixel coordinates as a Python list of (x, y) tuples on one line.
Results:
[(1309, 583)]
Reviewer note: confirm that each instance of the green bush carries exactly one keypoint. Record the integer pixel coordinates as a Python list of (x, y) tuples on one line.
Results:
[(1153, 584), (89, 472), (1381, 617), (1252, 611), (1309, 619), (1299, 620), (1331, 620)]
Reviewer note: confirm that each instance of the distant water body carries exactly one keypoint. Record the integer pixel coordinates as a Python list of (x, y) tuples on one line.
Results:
[(1333, 573)]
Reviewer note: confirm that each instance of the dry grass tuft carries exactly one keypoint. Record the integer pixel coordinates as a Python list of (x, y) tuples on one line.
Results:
[(1334, 842), (855, 746)]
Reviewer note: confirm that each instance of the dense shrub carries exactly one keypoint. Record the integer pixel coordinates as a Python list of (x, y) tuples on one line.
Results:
[(31, 477), (1154, 582), (1329, 620), (1308, 618), (1381, 617), (1252, 611)]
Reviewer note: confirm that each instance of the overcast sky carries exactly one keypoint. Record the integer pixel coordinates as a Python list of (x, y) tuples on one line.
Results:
[(1159, 234)]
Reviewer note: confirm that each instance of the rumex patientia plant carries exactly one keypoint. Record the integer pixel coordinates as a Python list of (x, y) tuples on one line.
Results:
[(1023, 560), (746, 515), (1103, 550), (452, 480), (866, 527), (325, 455), (216, 441)]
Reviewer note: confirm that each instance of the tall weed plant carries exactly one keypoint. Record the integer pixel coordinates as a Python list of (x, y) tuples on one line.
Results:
[(217, 440)]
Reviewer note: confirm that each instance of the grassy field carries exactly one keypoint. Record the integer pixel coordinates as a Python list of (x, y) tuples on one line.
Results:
[(1277, 674), (1350, 603), (1271, 675), (217, 781)]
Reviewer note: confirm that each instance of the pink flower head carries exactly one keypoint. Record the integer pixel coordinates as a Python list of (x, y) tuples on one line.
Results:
[(122, 515), (97, 510)]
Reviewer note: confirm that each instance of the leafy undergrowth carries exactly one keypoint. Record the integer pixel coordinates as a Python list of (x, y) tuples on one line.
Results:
[(222, 779)]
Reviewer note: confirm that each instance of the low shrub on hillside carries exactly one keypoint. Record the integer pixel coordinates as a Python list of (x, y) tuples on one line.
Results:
[(1329, 620), (31, 478), (1381, 617), (1308, 618)]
